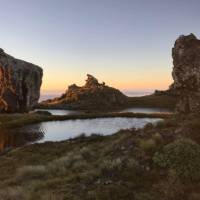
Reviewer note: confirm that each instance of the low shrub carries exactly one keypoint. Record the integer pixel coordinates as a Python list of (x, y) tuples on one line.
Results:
[(182, 156), (166, 123), (157, 137), (147, 144)]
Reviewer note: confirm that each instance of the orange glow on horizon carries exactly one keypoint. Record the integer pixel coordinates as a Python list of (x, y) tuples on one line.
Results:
[(143, 77), (60, 86)]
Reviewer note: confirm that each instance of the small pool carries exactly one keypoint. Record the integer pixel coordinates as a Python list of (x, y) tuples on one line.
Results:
[(63, 130)]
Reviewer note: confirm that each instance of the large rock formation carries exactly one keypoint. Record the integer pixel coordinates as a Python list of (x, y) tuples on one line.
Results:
[(20, 83), (186, 73), (93, 95)]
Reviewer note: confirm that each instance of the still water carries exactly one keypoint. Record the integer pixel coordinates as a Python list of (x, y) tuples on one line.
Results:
[(63, 130), (147, 110)]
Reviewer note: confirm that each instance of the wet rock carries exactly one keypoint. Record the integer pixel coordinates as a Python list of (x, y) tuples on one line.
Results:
[(20, 83), (186, 73)]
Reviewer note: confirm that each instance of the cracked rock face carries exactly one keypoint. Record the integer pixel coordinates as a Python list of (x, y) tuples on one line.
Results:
[(186, 73), (20, 83)]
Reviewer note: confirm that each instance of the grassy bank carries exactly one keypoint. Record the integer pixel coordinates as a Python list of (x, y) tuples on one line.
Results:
[(19, 120), (159, 162), (152, 101)]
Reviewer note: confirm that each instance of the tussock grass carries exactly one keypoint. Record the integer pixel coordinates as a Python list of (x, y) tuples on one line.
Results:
[(153, 101), (13, 193), (111, 165), (30, 172)]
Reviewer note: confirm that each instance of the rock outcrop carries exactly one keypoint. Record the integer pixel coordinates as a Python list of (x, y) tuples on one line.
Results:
[(186, 73), (171, 92), (20, 83), (92, 96)]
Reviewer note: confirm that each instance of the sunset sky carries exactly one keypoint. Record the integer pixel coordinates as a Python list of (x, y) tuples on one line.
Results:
[(126, 43)]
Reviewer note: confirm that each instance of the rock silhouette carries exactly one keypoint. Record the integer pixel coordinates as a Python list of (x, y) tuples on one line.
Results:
[(93, 95)]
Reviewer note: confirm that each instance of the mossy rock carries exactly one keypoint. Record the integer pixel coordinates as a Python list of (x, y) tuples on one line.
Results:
[(182, 156)]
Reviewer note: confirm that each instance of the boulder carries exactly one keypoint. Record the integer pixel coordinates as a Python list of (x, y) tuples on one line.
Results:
[(20, 83), (186, 73), (92, 96)]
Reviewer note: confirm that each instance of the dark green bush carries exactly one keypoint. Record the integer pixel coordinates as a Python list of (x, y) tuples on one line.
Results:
[(148, 144), (182, 156)]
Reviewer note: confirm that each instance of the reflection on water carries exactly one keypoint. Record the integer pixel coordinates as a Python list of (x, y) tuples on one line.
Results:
[(147, 110), (19, 137), (63, 130)]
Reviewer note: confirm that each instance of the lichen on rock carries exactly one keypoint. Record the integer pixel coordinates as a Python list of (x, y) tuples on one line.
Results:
[(20, 83)]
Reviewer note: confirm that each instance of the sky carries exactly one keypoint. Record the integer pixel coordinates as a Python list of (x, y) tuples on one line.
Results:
[(125, 43)]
